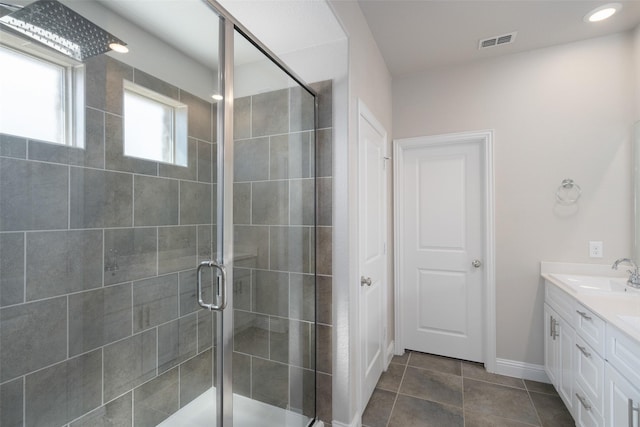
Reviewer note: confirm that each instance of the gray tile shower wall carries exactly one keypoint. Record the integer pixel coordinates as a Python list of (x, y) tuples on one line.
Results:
[(105, 324), (275, 297), (98, 316)]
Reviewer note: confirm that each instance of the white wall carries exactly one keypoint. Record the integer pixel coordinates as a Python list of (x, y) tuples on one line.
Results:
[(560, 112), (370, 81), (636, 39)]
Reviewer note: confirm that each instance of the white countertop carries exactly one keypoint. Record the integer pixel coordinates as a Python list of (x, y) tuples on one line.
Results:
[(608, 306)]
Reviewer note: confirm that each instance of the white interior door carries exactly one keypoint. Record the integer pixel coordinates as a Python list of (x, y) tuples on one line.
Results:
[(440, 208), (372, 249)]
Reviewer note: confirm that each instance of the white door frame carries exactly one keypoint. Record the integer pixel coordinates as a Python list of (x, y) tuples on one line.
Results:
[(365, 114), (489, 316)]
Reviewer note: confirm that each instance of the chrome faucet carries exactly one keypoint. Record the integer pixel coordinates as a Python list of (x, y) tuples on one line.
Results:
[(634, 275)]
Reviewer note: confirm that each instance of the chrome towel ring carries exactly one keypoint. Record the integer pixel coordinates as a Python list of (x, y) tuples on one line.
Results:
[(568, 193)]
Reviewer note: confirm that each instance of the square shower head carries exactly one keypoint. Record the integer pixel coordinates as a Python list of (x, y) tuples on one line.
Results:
[(55, 25)]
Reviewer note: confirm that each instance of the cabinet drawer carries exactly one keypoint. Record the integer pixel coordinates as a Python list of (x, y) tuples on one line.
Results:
[(623, 353), (560, 301), (589, 368), (590, 327), (586, 414)]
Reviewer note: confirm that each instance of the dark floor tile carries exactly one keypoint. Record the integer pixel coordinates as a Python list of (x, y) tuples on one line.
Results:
[(477, 371), (378, 409), (474, 419), (539, 387), (551, 410), (390, 380), (412, 412), (500, 401), (435, 363), (402, 360), (433, 386)]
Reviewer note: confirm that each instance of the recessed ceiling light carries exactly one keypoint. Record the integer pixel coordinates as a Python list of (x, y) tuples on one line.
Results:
[(603, 12), (217, 97), (117, 47)]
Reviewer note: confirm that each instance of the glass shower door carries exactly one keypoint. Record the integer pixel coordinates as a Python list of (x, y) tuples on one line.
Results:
[(271, 332)]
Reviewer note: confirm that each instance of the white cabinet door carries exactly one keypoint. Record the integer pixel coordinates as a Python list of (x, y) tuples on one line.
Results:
[(622, 403), (551, 348), (567, 341)]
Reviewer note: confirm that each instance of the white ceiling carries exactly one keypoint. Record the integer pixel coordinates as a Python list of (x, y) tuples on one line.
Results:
[(417, 35)]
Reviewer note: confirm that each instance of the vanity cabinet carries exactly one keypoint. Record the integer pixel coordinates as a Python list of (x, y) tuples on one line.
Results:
[(574, 356), (622, 408)]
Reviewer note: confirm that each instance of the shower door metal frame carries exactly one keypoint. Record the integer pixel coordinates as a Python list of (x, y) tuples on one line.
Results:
[(224, 244)]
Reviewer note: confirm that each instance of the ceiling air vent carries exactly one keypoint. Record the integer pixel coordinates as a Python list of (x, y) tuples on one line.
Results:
[(497, 40)]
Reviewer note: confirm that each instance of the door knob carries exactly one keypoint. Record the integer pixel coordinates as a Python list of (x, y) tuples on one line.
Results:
[(365, 281), (476, 263)]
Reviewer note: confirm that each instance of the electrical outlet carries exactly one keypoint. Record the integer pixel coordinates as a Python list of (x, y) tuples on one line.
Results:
[(595, 249)]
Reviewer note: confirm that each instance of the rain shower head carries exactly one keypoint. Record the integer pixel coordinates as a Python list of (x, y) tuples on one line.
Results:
[(55, 25)]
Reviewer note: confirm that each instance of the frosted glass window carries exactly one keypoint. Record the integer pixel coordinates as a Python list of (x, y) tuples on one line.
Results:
[(154, 126), (32, 94)]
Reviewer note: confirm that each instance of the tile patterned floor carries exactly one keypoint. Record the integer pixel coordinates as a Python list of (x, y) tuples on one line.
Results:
[(425, 390)]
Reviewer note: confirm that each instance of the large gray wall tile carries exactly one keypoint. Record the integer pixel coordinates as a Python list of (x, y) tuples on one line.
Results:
[(129, 363), (13, 146), (129, 254), (58, 394), (201, 112), (207, 155), (34, 196), (270, 203), (99, 317), (242, 118), (196, 376), (303, 297), (104, 83), (155, 84), (11, 403), (32, 336), (301, 109), (270, 382), (156, 201), (177, 341), (54, 153), (324, 207), (206, 329), (68, 261), (324, 153), (241, 374), (11, 268), (302, 391), (195, 203), (176, 248), (188, 295), (270, 292), (251, 160), (242, 203), (292, 156), (100, 199), (156, 400), (93, 138), (290, 249), (324, 292), (206, 243), (292, 342), (270, 113), (117, 413), (251, 333), (155, 301), (242, 283), (251, 246), (302, 202), (324, 250), (325, 350)]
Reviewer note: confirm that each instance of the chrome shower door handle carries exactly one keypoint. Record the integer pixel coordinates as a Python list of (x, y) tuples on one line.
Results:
[(222, 287)]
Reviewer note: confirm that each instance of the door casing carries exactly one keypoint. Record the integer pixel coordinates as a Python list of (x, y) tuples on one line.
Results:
[(489, 316)]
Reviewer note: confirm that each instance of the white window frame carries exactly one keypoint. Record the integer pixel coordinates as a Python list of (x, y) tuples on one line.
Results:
[(179, 132), (73, 87)]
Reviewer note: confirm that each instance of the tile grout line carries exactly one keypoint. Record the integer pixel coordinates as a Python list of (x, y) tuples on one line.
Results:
[(395, 400)]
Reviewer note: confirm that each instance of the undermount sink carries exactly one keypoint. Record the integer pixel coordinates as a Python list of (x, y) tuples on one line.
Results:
[(595, 283), (634, 321)]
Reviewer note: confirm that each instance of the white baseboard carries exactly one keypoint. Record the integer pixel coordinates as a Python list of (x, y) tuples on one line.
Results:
[(527, 371), (318, 423), (355, 422)]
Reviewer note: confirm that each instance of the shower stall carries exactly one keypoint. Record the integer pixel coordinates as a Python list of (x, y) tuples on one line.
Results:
[(157, 220)]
